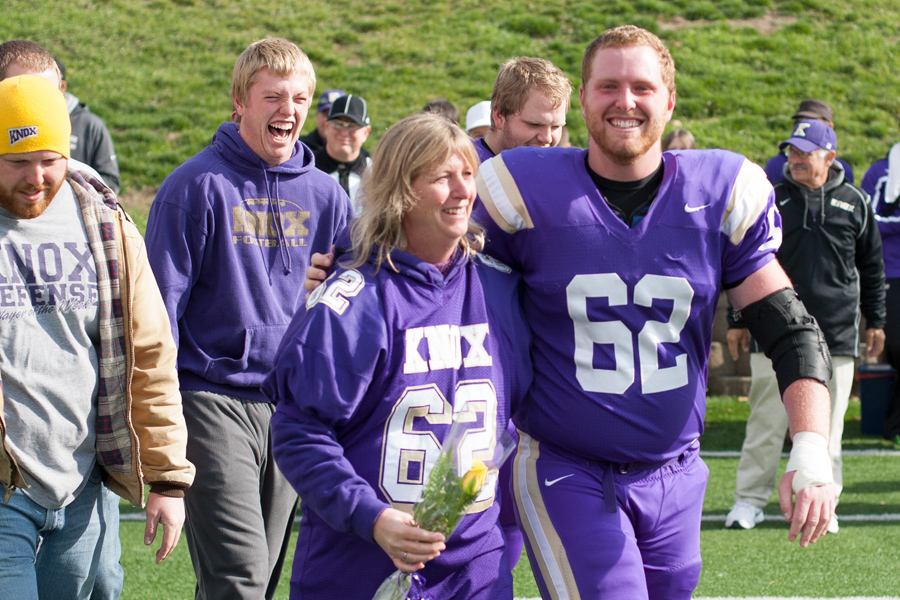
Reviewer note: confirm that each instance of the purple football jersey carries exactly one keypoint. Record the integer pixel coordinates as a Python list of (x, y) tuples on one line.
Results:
[(368, 381), (887, 215), (622, 317), (481, 150)]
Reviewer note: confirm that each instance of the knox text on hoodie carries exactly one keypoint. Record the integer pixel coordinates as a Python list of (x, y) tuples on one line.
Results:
[(254, 224), (445, 347)]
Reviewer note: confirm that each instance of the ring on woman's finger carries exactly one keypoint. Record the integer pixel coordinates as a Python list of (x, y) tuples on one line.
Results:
[(403, 558)]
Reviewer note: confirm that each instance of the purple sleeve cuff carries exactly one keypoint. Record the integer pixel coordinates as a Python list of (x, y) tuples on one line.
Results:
[(367, 512)]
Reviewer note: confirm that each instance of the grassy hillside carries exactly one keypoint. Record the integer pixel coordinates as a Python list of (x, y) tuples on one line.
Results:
[(158, 71)]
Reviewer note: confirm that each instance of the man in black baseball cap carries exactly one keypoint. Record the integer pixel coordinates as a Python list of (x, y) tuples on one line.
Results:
[(346, 130)]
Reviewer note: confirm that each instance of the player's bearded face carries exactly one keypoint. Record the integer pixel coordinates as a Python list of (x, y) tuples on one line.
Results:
[(605, 130), (626, 104), (29, 182)]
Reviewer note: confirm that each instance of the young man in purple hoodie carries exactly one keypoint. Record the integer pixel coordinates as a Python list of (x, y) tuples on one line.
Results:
[(228, 237)]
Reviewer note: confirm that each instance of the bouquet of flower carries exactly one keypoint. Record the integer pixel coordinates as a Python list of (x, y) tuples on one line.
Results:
[(455, 481)]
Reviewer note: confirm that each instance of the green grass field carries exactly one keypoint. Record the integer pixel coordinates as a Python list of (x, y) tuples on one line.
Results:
[(861, 560)]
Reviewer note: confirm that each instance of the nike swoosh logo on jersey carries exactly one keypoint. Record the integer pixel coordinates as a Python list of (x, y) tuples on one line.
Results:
[(783, 202), (549, 482), (691, 209)]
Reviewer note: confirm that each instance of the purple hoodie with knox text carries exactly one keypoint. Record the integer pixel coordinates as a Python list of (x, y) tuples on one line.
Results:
[(229, 238)]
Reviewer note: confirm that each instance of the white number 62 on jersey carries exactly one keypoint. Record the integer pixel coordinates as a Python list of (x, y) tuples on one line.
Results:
[(587, 333), (408, 454), (334, 292)]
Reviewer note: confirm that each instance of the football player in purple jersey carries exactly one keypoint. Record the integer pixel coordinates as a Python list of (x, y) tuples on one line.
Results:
[(624, 251), (412, 323)]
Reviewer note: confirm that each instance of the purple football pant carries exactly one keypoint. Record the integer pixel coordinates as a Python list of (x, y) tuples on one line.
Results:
[(514, 539), (641, 542)]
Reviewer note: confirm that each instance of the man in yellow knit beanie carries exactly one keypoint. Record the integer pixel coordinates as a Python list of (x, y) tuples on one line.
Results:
[(90, 403), (36, 129), (24, 57)]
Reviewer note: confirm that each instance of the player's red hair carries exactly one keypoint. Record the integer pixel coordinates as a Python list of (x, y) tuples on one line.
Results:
[(626, 36)]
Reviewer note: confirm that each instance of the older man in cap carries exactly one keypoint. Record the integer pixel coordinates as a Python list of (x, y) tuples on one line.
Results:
[(831, 251), (90, 400), (343, 156), (808, 109)]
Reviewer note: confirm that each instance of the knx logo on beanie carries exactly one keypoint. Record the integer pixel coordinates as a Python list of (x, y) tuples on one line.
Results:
[(33, 116), (22, 133)]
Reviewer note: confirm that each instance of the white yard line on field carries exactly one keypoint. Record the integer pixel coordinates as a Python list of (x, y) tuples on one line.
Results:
[(842, 518), (737, 453)]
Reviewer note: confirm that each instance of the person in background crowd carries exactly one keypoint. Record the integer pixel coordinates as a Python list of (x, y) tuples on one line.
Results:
[(882, 183), (91, 142), (678, 139), (478, 119), (315, 139), (443, 107), (529, 102), (808, 109), (831, 250), (343, 156)]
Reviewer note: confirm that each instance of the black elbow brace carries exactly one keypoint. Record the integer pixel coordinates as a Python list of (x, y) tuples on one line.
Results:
[(789, 336)]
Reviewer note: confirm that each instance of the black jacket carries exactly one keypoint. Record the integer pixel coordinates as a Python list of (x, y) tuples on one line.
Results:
[(347, 174), (832, 253), (312, 139), (91, 142)]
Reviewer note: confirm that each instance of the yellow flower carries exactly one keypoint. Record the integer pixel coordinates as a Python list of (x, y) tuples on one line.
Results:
[(474, 478)]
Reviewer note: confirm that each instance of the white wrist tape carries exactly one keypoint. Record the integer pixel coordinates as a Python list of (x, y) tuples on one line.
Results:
[(810, 460)]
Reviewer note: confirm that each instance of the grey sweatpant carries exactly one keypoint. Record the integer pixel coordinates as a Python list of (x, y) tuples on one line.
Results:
[(240, 508)]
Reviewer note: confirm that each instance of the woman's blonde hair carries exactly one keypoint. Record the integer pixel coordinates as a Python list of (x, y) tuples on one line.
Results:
[(417, 145)]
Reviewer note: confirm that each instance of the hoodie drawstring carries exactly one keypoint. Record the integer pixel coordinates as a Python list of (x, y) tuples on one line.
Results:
[(279, 224)]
